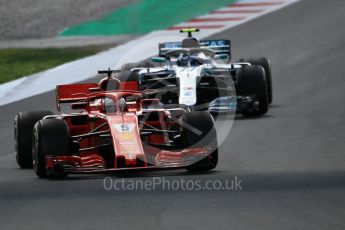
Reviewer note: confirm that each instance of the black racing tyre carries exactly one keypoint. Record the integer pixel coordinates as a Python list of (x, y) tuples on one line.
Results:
[(50, 137), (266, 64), (251, 82), (23, 125), (199, 131)]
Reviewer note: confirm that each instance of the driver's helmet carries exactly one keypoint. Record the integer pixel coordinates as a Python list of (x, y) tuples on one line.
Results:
[(109, 105), (122, 104), (194, 60)]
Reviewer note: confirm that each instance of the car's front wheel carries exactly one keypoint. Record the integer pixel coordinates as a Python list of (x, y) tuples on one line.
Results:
[(50, 138), (199, 131)]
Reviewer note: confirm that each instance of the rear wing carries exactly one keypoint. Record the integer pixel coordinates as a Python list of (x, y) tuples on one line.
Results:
[(74, 92), (219, 46)]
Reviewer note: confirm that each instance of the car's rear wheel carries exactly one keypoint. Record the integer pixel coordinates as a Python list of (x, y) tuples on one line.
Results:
[(199, 131), (266, 64), (251, 82), (23, 125), (50, 138)]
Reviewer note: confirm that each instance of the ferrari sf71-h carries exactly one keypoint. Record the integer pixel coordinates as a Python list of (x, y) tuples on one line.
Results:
[(109, 131)]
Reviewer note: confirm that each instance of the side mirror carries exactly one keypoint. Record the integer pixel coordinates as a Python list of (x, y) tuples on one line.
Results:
[(158, 59), (222, 57)]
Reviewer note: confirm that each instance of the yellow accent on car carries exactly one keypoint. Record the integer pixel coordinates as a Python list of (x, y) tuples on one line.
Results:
[(188, 30)]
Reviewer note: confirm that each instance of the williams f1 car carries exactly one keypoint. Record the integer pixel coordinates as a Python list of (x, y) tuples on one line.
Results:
[(113, 130), (197, 74)]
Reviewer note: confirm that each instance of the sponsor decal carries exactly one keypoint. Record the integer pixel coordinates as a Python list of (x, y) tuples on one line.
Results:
[(187, 93), (127, 139), (126, 136), (211, 43), (172, 45), (188, 88)]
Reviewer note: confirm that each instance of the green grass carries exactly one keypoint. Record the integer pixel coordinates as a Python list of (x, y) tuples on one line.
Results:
[(145, 16), (16, 63)]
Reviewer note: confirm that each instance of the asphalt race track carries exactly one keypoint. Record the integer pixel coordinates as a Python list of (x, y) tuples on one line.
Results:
[(291, 161)]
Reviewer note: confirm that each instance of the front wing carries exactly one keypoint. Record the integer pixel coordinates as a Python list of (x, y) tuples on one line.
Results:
[(164, 159)]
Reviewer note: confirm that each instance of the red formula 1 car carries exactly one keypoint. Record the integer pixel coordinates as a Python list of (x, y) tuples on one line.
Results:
[(111, 131)]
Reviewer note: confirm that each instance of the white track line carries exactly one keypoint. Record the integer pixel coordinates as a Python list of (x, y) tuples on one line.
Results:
[(234, 14), (135, 50)]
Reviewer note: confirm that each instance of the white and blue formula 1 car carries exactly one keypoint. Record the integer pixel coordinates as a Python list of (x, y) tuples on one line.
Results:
[(198, 74)]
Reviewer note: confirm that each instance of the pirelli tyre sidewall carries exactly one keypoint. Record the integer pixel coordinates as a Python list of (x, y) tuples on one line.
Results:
[(50, 138), (23, 126), (252, 82)]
